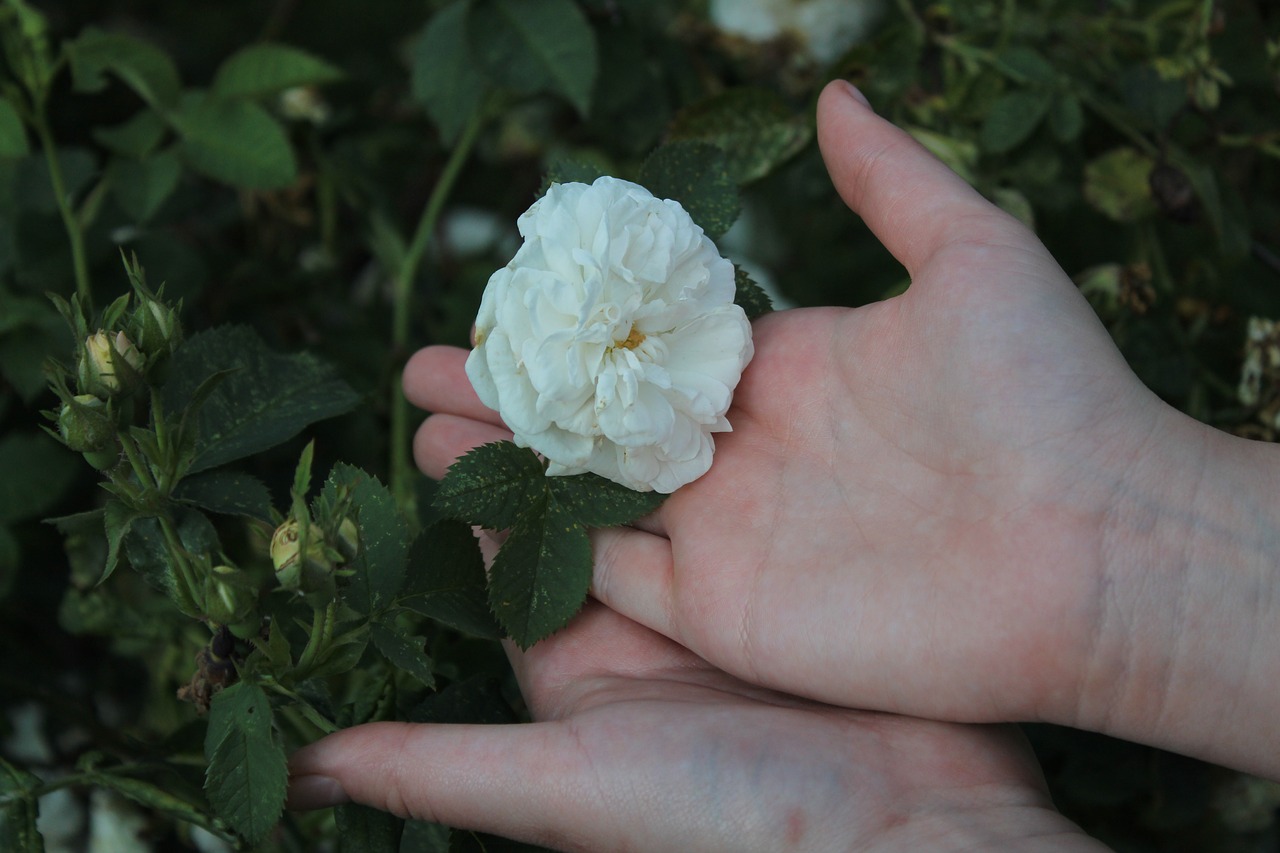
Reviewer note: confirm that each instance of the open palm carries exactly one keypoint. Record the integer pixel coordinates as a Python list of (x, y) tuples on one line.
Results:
[(641, 745), (912, 511)]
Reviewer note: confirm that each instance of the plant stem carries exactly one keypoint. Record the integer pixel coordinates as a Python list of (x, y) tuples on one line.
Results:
[(74, 232), (305, 709), (321, 629), (400, 473), (184, 588)]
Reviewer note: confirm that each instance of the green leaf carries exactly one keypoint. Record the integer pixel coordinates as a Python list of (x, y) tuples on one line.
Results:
[(749, 295), (446, 580), (117, 519), (402, 650), (695, 174), (365, 830), (19, 810), (1153, 100), (540, 576), (535, 46), (148, 550), (265, 69), (37, 470), (13, 136), (593, 501), (384, 539), (142, 186), (247, 774), (269, 399), (491, 485), (136, 137), (445, 79), (234, 141), (227, 493), (144, 67), (1027, 64), (1013, 118), (753, 127), (1066, 118), (572, 168), (1117, 184), (343, 655)]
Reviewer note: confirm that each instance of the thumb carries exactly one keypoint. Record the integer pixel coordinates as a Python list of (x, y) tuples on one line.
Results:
[(476, 777), (909, 199)]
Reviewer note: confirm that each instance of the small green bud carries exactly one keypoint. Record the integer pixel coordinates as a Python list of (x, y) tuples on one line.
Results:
[(229, 596), (109, 364), (85, 425), (158, 331)]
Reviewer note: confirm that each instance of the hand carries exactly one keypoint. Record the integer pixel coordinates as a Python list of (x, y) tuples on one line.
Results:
[(643, 746), (958, 503)]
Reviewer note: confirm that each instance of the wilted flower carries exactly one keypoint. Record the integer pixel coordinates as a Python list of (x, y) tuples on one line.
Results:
[(610, 343), (301, 560), (109, 364)]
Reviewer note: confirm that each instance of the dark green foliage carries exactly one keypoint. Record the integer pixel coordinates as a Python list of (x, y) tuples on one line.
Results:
[(266, 398), (750, 296), (697, 175), (327, 190), (246, 778)]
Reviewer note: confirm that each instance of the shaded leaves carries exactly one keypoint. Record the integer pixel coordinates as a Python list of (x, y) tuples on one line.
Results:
[(247, 774), (268, 399)]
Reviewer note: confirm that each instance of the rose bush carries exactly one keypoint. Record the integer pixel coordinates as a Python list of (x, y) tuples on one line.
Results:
[(611, 343)]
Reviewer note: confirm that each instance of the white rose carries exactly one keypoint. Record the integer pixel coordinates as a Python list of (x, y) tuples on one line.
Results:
[(610, 343), (823, 28)]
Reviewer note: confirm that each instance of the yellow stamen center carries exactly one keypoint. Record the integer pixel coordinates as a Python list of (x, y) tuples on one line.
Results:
[(634, 339)]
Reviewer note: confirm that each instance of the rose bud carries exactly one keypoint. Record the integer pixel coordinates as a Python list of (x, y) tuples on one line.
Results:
[(301, 561), (86, 427), (109, 364)]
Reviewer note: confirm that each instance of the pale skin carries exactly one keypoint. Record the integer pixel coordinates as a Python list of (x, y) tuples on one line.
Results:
[(957, 504)]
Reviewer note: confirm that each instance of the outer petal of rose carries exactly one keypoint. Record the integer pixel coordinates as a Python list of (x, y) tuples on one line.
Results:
[(518, 403), (564, 447), (716, 346), (482, 378)]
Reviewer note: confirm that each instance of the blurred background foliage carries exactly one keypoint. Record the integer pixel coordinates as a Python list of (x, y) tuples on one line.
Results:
[(353, 205)]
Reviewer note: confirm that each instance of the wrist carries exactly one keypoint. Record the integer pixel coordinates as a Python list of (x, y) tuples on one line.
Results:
[(1187, 648)]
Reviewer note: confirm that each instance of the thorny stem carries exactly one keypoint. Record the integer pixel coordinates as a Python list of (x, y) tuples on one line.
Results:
[(401, 471)]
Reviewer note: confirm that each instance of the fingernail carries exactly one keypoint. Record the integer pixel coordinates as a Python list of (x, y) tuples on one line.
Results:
[(315, 792), (853, 92)]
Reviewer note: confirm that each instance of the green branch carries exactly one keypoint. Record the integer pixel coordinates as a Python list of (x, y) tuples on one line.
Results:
[(400, 469), (69, 221)]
